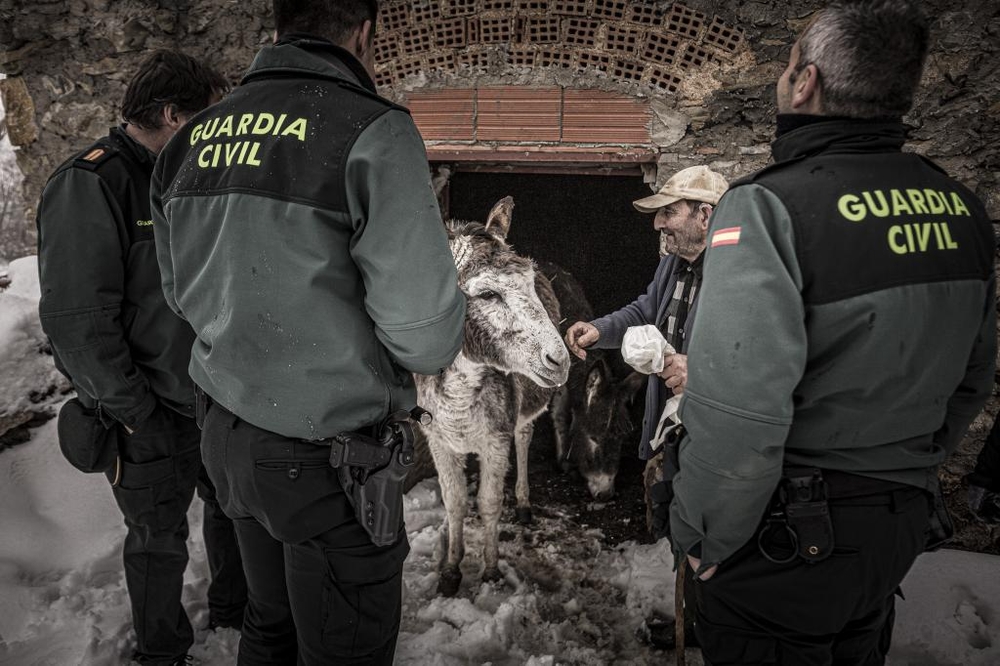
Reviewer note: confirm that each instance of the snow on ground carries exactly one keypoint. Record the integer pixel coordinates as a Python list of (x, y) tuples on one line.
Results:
[(566, 598)]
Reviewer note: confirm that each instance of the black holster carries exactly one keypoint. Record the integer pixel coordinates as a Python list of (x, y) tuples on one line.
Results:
[(798, 523), (372, 472)]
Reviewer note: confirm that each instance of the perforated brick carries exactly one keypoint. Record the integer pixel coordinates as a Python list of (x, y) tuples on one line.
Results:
[(569, 7), (408, 66), (506, 6), (724, 36), (476, 59), (664, 78), (450, 34), (628, 70), (661, 48), (538, 30), (645, 12), (385, 76), (425, 11), (611, 9), (459, 7), (472, 31), (556, 58), (623, 40), (595, 59), (521, 57), (386, 47), (581, 32), (394, 17), (441, 60), (694, 56), (494, 30), (533, 6), (417, 39), (684, 21)]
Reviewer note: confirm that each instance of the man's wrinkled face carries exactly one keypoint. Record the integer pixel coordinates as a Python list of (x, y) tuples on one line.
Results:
[(680, 230)]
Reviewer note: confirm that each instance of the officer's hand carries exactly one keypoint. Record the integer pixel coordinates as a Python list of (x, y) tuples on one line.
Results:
[(695, 563), (581, 335), (984, 504), (675, 372)]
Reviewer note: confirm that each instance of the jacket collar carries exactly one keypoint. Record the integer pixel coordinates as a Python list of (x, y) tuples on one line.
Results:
[(840, 136), (134, 150), (299, 53)]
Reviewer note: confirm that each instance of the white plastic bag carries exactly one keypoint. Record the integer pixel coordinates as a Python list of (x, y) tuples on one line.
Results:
[(643, 348)]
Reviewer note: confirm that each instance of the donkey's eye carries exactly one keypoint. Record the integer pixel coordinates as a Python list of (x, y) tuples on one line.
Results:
[(488, 295)]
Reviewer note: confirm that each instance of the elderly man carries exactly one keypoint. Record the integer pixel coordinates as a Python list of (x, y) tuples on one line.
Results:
[(682, 207), (833, 377)]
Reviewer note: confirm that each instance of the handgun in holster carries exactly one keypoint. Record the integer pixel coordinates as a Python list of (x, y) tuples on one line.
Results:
[(372, 472)]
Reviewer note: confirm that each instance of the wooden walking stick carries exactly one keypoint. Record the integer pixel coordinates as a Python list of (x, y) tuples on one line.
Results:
[(679, 613)]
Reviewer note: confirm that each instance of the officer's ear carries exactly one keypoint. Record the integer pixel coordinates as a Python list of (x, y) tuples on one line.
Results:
[(172, 117), (363, 45), (807, 92)]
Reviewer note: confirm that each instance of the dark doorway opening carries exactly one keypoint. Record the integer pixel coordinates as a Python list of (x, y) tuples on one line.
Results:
[(584, 223)]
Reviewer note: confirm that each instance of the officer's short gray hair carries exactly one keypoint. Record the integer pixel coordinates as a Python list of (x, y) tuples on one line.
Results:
[(870, 55)]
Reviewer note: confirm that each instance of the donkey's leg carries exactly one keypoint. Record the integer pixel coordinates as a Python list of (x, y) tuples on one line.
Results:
[(561, 410), (454, 494), (493, 469), (522, 440)]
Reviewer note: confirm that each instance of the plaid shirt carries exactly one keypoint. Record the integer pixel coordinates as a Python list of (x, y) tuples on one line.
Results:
[(675, 325)]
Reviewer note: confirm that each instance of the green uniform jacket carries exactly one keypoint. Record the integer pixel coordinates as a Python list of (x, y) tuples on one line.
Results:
[(101, 304), (846, 322), (298, 233)]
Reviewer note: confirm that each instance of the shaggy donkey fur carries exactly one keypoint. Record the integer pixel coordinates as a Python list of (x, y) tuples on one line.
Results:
[(512, 361)]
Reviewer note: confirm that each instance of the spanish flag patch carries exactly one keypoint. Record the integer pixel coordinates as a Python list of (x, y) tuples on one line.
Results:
[(727, 236), (94, 155)]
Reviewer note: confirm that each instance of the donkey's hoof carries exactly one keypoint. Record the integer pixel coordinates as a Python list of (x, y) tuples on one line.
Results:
[(492, 575), (449, 582), (523, 515)]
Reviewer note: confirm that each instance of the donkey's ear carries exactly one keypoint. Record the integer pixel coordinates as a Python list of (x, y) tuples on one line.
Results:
[(498, 221)]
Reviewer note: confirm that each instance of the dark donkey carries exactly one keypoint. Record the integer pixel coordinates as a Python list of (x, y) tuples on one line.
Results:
[(512, 361), (590, 414)]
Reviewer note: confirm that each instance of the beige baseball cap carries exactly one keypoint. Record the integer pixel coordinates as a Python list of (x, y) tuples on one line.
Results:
[(698, 183)]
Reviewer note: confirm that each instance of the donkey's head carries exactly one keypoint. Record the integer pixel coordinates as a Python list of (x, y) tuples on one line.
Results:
[(507, 327), (600, 423)]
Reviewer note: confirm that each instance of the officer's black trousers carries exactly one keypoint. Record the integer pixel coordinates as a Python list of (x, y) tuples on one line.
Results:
[(320, 592), (161, 465), (838, 611)]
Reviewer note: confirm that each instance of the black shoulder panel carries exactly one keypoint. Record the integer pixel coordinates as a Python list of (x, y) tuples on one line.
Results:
[(283, 137), (867, 222)]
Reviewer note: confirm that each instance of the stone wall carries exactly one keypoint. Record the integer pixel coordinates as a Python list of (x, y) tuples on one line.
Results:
[(708, 67)]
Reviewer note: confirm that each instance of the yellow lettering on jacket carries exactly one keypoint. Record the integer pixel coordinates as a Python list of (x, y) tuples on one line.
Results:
[(855, 207), (916, 237), (227, 152)]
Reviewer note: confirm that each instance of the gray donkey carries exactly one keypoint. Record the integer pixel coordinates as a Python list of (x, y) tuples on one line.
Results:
[(512, 361)]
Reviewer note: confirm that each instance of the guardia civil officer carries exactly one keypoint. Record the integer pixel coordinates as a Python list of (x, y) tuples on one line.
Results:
[(828, 383), (298, 233), (127, 353)]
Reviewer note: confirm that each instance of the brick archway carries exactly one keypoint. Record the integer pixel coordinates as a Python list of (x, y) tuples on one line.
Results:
[(635, 42), (592, 68)]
